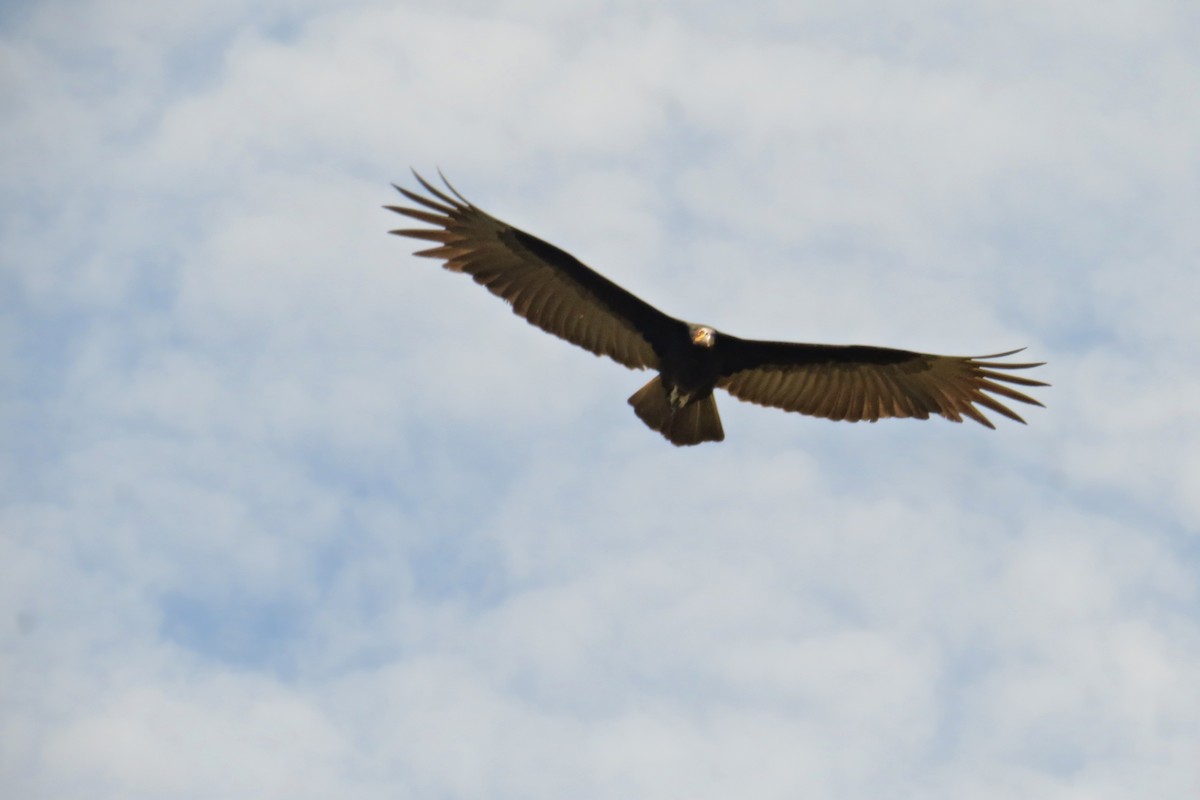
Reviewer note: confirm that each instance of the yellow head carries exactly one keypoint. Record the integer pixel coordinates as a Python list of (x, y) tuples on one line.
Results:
[(702, 335)]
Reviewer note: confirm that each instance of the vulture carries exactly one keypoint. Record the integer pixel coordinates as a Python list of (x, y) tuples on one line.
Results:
[(553, 290)]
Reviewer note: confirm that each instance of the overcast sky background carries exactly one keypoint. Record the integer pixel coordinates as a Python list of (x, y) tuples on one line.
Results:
[(288, 513)]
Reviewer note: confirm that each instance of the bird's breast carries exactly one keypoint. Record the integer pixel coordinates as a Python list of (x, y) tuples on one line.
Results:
[(689, 372)]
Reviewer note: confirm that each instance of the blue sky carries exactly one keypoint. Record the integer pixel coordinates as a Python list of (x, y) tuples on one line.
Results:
[(287, 512)]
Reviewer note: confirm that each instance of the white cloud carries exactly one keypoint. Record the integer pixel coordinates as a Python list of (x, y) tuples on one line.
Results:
[(289, 513)]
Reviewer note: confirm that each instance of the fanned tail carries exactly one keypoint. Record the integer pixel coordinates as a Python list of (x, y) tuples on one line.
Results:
[(696, 422)]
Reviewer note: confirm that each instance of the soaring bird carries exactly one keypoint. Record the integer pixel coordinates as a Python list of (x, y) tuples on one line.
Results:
[(556, 292)]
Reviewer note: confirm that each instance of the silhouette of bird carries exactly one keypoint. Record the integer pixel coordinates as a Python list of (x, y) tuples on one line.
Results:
[(556, 292)]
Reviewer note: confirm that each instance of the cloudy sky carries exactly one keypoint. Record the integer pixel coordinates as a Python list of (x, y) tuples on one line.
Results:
[(288, 513)]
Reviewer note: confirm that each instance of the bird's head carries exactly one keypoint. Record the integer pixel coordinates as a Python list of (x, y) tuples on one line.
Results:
[(702, 335)]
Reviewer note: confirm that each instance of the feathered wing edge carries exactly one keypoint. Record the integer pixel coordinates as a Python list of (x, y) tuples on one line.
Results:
[(917, 386), (544, 285)]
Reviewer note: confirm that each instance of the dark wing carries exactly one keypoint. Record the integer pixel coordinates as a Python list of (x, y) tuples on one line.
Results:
[(855, 383), (545, 285)]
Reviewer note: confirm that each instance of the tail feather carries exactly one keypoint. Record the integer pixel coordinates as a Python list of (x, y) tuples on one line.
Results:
[(696, 422)]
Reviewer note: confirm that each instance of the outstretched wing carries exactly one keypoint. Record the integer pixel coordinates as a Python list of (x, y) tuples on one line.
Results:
[(855, 383), (545, 285)]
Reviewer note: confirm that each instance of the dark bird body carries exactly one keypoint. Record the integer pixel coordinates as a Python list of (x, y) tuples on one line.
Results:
[(555, 291)]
